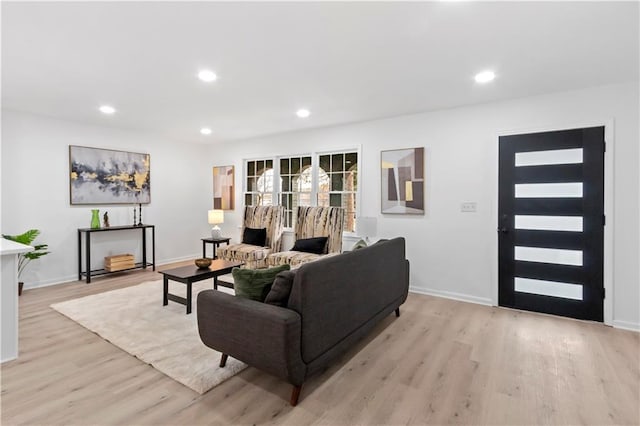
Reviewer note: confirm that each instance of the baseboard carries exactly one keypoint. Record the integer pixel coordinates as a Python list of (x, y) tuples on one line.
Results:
[(627, 325), (179, 259), (50, 282), (8, 359), (624, 325), (68, 278), (452, 295)]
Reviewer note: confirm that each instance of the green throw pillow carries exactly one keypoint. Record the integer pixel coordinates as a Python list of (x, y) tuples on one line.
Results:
[(255, 284)]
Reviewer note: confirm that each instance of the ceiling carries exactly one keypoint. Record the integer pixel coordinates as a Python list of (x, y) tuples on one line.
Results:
[(346, 62)]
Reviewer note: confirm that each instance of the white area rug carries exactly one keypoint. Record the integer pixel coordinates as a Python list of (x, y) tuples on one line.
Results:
[(134, 319)]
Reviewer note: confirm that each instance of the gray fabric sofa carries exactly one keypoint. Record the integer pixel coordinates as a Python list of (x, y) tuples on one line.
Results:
[(334, 302)]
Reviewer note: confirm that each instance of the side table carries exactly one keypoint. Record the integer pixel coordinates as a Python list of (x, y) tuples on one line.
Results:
[(215, 242)]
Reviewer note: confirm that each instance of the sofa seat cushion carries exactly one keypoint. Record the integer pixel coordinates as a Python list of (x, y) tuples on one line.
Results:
[(294, 258), (252, 256)]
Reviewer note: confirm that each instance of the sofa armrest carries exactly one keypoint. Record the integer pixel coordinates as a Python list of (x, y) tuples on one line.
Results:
[(264, 336)]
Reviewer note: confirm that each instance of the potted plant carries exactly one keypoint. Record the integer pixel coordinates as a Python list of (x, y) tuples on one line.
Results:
[(24, 258)]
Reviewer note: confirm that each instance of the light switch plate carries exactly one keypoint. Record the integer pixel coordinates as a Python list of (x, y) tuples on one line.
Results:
[(468, 207)]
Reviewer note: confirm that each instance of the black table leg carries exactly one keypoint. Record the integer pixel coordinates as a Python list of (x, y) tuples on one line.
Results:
[(188, 297), (79, 255), (215, 282), (165, 291), (204, 249), (144, 247), (153, 246), (88, 256)]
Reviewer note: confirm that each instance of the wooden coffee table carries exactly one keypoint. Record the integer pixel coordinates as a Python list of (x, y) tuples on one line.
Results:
[(191, 274)]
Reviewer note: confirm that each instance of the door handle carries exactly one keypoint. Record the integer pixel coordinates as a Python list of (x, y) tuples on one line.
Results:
[(503, 224)]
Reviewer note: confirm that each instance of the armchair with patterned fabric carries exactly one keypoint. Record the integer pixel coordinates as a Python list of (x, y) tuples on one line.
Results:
[(318, 233), (269, 218)]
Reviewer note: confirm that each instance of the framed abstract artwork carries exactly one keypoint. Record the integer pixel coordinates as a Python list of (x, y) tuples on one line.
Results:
[(402, 173), (105, 176), (223, 188)]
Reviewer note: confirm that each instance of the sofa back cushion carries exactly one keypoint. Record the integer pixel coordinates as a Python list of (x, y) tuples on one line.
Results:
[(338, 294), (269, 217), (312, 222)]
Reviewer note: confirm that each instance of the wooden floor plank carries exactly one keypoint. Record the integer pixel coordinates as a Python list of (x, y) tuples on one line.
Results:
[(441, 362)]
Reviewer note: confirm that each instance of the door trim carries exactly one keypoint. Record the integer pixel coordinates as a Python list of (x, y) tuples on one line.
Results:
[(609, 227)]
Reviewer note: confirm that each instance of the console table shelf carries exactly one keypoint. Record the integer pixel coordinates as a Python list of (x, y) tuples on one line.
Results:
[(88, 272)]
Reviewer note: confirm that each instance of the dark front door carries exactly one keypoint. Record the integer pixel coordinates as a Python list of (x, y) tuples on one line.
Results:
[(551, 222)]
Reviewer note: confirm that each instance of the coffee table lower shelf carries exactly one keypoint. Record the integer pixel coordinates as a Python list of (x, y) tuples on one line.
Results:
[(190, 274)]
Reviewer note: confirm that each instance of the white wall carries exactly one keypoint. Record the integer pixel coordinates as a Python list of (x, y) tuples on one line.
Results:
[(452, 253), (35, 194)]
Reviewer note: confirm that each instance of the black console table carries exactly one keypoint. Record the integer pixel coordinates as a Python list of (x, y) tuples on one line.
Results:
[(87, 249)]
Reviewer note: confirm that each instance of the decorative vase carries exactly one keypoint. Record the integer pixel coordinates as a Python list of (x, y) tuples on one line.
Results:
[(95, 218)]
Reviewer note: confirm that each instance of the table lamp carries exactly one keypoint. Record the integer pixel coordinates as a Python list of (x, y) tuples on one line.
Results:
[(216, 217)]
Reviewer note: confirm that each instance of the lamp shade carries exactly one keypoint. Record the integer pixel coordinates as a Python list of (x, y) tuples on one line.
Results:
[(367, 226), (216, 217)]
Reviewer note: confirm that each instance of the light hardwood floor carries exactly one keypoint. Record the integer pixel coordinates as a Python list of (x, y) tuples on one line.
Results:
[(441, 362)]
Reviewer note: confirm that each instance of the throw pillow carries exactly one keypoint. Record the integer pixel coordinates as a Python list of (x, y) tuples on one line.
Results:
[(281, 289), (359, 245), (311, 245), (255, 284), (255, 236)]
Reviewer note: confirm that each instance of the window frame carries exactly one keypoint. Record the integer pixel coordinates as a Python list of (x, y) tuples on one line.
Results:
[(357, 192), (245, 176), (290, 175), (315, 168)]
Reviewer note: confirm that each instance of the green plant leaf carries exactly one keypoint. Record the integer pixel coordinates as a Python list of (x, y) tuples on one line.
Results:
[(26, 238)]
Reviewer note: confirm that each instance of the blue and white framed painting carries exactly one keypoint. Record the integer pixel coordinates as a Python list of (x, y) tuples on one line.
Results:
[(105, 176)]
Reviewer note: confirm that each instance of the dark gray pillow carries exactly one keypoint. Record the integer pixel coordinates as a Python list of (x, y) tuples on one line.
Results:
[(281, 289), (311, 245), (255, 236)]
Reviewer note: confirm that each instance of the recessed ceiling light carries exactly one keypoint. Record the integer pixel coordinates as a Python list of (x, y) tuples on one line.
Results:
[(303, 113), (207, 76), (485, 76), (107, 109), (205, 131)]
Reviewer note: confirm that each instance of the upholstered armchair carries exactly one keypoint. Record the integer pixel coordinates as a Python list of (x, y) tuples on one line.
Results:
[(313, 222), (270, 218)]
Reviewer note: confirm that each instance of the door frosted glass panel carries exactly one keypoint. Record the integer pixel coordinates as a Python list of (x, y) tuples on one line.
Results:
[(549, 223), (549, 190), (548, 288), (545, 158), (547, 255)]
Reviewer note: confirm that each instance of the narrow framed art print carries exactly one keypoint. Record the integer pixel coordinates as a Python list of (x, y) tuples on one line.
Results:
[(223, 188), (402, 181), (105, 176)]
